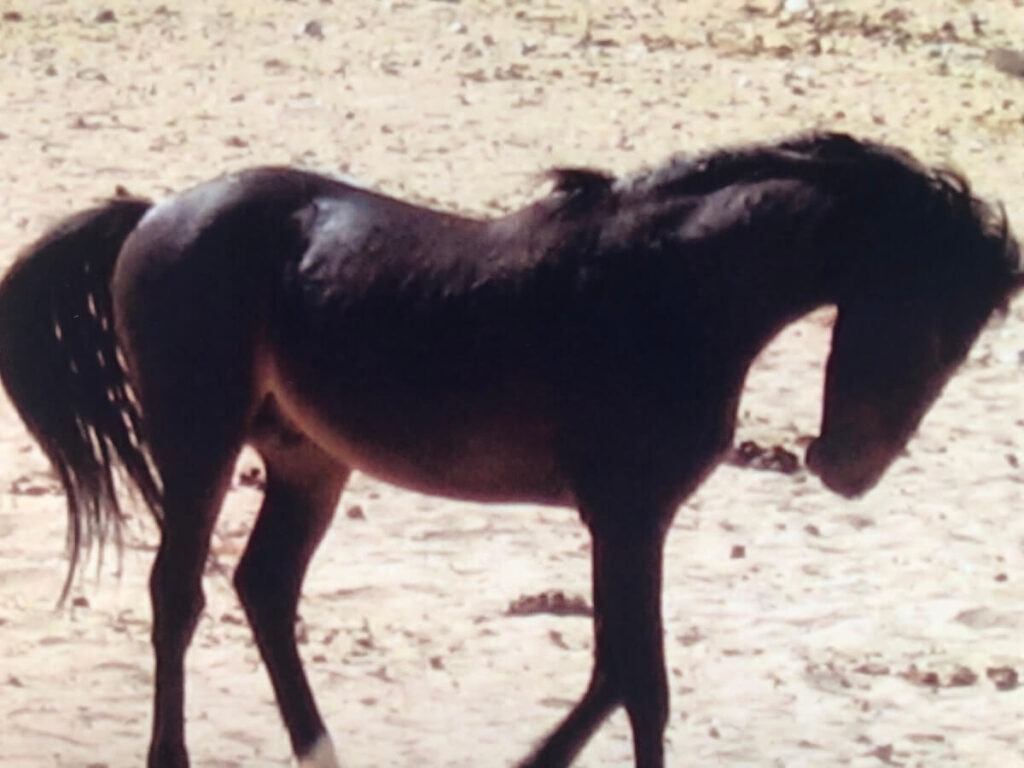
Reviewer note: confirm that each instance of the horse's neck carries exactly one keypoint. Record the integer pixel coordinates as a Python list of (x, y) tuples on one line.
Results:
[(754, 257), (755, 277)]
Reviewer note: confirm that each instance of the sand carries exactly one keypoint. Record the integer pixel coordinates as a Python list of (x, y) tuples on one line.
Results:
[(849, 634)]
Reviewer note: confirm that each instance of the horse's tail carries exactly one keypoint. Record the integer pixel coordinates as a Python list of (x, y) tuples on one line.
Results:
[(60, 365)]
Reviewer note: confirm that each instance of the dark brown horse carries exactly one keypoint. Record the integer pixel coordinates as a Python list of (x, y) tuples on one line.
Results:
[(586, 351)]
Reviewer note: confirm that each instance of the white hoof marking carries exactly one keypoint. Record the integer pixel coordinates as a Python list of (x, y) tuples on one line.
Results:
[(320, 756)]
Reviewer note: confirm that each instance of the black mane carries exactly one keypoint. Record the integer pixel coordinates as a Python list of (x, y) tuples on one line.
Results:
[(811, 155), (876, 173)]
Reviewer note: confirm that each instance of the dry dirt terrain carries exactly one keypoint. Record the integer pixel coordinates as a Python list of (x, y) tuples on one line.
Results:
[(802, 630)]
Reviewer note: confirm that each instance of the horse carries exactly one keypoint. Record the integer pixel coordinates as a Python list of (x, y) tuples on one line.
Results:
[(587, 350)]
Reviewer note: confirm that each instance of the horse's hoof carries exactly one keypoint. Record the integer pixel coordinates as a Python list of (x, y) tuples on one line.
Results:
[(320, 756)]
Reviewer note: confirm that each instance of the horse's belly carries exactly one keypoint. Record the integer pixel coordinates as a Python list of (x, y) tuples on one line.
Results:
[(491, 456), (482, 468)]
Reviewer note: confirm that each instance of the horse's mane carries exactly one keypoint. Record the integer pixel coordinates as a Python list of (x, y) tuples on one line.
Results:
[(811, 155), (877, 172), (817, 155)]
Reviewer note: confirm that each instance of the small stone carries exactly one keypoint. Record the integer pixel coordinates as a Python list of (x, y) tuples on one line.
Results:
[(692, 636), (921, 677), (796, 6), (883, 753), (1004, 678), (963, 676), (252, 477), (1008, 61), (738, 551), (872, 668)]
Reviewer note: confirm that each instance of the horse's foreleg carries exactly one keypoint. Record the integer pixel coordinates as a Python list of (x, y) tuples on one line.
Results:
[(563, 744), (303, 487), (629, 663), (630, 612), (192, 499)]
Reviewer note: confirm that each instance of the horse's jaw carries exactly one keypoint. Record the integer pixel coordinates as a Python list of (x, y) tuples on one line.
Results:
[(847, 468)]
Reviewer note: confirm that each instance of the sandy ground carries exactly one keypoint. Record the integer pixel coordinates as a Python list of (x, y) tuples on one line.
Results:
[(857, 634)]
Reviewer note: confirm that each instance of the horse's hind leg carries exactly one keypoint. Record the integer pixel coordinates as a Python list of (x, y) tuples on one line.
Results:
[(190, 329), (194, 488), (196, 429), (303, 487)]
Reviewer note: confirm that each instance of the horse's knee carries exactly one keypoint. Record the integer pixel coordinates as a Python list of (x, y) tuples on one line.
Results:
[(646, 700), (175, 617), (651, 708), (264, 587), (257, 589)]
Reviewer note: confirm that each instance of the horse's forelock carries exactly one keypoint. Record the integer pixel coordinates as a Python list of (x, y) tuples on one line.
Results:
[(971, 240), (979, 217)]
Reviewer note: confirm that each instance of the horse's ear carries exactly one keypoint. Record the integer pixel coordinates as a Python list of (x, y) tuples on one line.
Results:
[(580, 181)]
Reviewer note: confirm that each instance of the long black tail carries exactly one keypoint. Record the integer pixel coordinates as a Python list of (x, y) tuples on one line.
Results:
[(60, 365)]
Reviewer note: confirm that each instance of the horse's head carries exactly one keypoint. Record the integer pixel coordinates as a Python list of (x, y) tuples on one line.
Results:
[(884, 371), (905, 323)]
